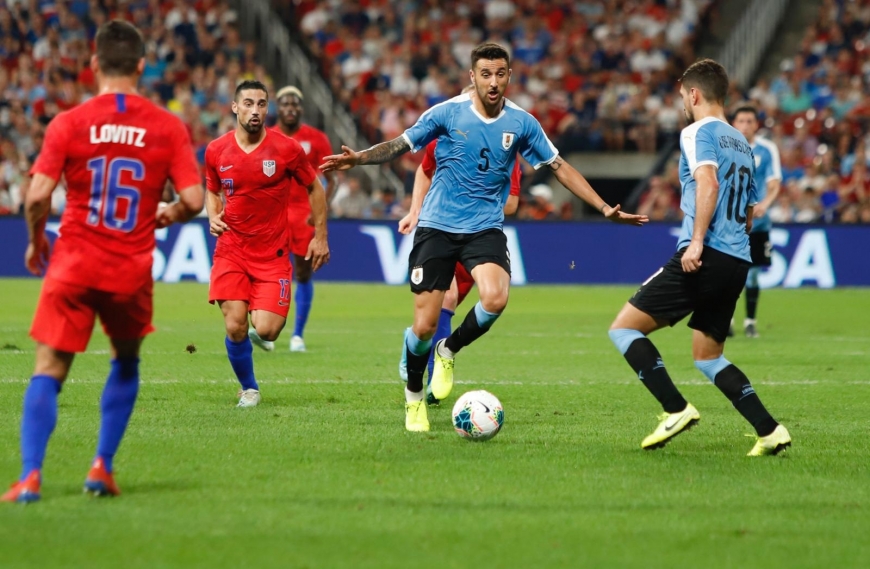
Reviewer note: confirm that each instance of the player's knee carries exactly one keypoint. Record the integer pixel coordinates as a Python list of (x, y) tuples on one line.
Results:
[(269, 333), (494, 301), (424, 329), (303, 275), (237, 331), (451, 300)]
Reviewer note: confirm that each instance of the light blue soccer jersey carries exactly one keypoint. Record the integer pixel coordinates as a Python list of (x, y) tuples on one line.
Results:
[(715, 142), (475, 157), (767, 168)]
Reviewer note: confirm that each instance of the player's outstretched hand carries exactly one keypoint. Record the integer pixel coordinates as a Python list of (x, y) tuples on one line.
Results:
[(691, 259), (216, 225), (616, 215), (318, 252), (36, 257), (407, 224), (344, 161)]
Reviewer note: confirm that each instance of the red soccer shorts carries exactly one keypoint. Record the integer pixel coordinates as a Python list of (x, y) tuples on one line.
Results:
[(464, 282), (301, 232), (65, 315), (264, 285)]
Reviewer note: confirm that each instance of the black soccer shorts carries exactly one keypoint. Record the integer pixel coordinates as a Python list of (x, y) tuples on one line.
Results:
[(709, 294), (760, 248), (433, 259)]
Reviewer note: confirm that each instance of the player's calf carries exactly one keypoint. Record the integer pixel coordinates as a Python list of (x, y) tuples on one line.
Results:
[(734, 384)]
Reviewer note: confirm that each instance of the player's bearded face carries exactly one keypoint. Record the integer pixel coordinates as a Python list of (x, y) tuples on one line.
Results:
[(491, 78), (251, 110)]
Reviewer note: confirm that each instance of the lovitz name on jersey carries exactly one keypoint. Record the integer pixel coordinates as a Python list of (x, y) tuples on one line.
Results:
[(118, 134)]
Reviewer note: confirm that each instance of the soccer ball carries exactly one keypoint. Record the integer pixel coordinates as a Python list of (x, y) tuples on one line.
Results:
[(478, 415)]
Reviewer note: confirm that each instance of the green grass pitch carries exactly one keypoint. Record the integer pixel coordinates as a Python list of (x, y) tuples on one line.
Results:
[(323, 474)]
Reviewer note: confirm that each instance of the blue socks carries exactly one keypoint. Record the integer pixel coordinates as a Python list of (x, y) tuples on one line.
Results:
[(38, 421), (711, 368), (242, 360), (623, 337), (119, 397), (484, 319), (304, 297), (443, 331), (417, 354)]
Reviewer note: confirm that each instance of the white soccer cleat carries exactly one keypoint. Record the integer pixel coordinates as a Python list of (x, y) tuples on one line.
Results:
[(248, 398), (297, 344), (264, 345), (671, 425), (772, 444)]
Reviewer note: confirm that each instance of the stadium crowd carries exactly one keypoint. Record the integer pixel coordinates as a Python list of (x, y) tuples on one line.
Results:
[(598, 75)]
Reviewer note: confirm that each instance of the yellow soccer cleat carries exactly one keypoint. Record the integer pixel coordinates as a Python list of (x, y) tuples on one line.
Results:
[(772, 444), (672, 424), (442, 375), (417, 416)]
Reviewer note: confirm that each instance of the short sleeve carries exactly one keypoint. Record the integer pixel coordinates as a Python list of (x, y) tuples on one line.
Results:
[(699, 148), (431, 124), (212, 180), (298, 165), (183, 171), (429, 163), (534, 145), (52, 157), (775, 170), (516, 177)]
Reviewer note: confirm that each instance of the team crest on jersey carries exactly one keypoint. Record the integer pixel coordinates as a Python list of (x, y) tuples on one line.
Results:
[(227, 186), (507, 139), (417, 275), (269, 167), (306, 146)]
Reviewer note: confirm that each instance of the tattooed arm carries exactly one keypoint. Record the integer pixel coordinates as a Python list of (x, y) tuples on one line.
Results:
[(377, 154), (574, 181)]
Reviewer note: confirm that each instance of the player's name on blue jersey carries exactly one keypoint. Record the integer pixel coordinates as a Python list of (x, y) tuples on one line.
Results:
[(714, 142), (475, 157), (727, 142)]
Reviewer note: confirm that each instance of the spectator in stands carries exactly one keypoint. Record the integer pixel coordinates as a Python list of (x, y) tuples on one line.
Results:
[(661, 202), (605, 50), (351, 200), (540, 207)]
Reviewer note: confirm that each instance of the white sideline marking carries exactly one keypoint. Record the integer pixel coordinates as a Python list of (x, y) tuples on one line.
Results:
[(565, 383)]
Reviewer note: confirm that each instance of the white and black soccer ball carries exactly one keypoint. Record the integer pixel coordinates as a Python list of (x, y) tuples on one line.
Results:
[(478, 415)]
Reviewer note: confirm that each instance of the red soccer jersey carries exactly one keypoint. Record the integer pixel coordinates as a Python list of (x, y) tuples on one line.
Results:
[(316, 145), (429, 167), (257, 188), (116, 152)]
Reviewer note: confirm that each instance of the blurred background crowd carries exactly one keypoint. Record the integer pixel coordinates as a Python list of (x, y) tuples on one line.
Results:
[(599, 75)]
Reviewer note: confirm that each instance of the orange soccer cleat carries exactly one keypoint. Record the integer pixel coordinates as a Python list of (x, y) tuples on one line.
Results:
[(100, 481), (24, 491)]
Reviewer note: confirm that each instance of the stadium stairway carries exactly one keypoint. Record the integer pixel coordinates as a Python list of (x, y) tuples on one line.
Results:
[(798, 17), (724, 19)]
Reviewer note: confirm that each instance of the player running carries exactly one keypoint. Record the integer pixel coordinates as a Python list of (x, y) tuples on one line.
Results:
[(316, 145), (462, 280), (252, 169), (768, 178), (704, 278), (479, 138), (116, 152)]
